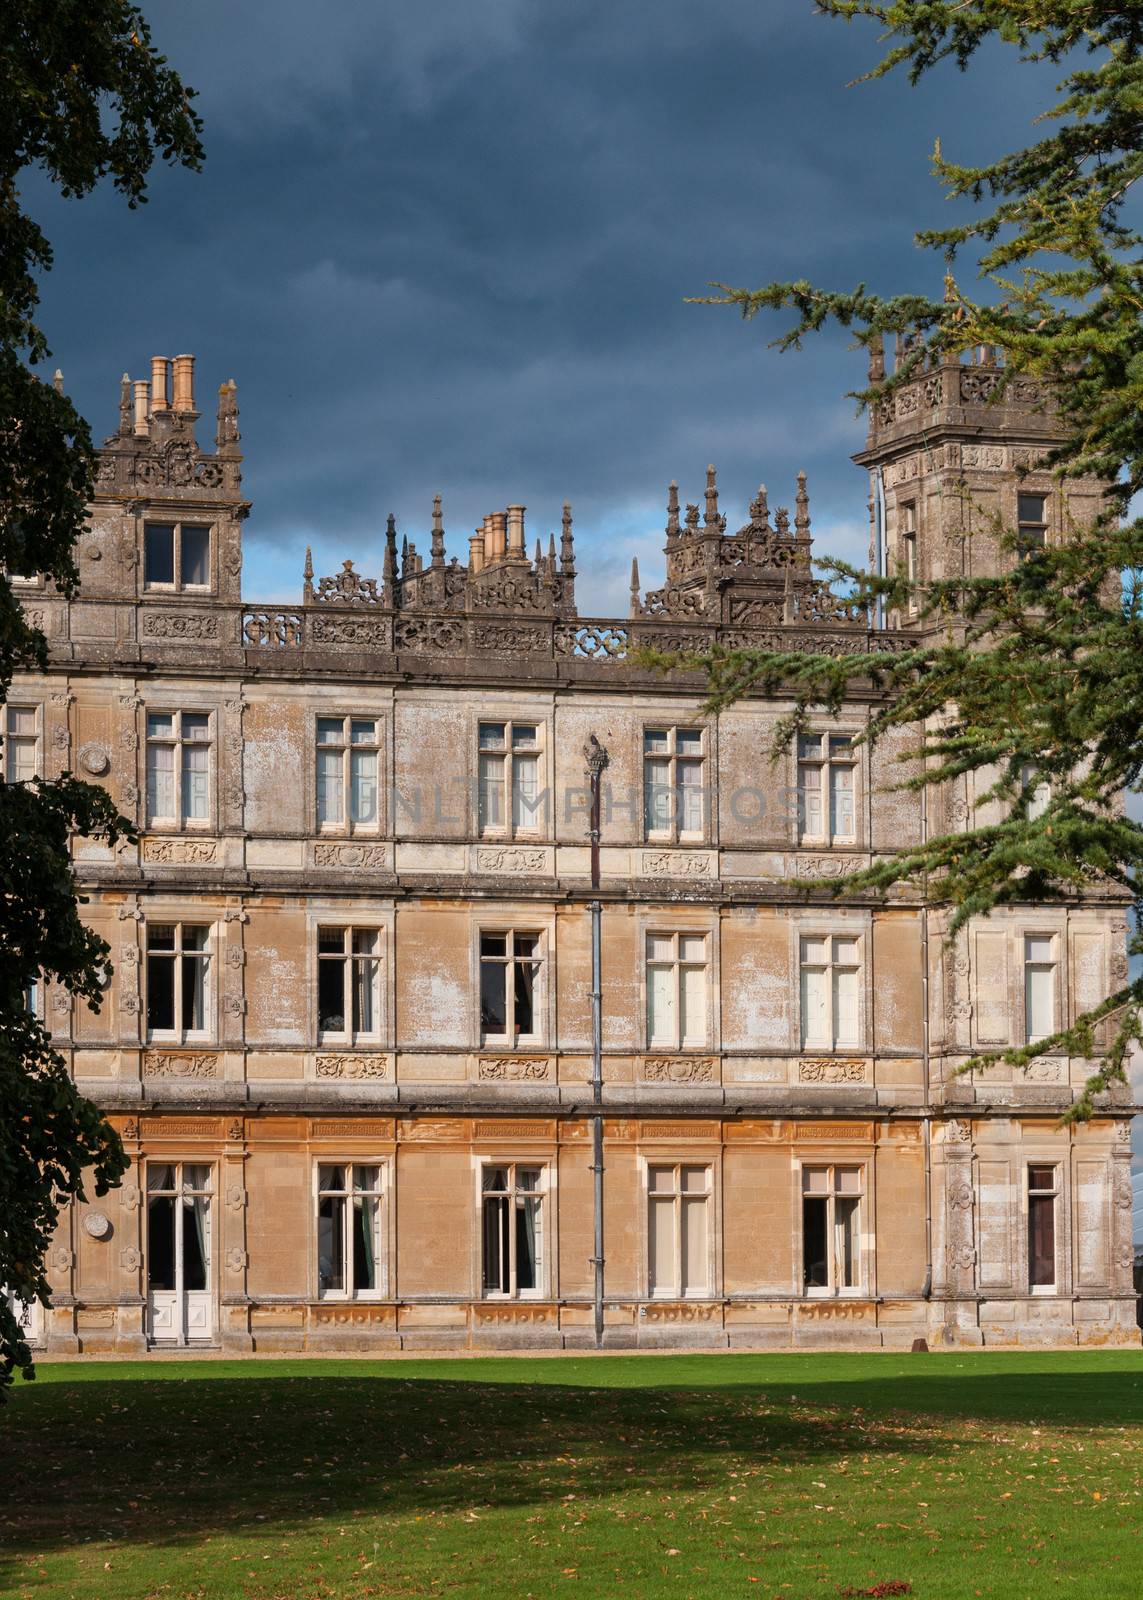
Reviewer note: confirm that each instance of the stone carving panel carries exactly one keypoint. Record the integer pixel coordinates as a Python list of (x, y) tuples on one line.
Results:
[(353, 1066), (180, 1064), (329, 854), (831, 1071), (181, 852), (192, 625), (515, 1069), (680, 1069), (511, 858), (676, 864)]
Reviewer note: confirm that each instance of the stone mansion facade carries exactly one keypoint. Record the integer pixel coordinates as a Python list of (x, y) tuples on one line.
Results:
[(348, 1038)]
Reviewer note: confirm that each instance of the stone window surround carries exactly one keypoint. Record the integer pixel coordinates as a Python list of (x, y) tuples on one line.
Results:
[(359, 1158), (818, 924), (680, 1154), (22, 702), (196, 705), (156, 517), (830, 1160), (539, 715), (650, 919), (673, 722), (501, 919), (355, 710), (548, 1193), (178, 917), (328, 911)]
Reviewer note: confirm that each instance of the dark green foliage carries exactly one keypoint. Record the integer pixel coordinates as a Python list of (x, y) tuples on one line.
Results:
[(1041, 666), (84, 97)]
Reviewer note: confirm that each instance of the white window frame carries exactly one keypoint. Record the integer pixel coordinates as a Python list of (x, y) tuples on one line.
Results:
[(350, 1194), (11, 739), (176, 524), (909, 554), (177, 955), (348, 748), (513, 1194), (510, 1039), (677, 761), (1054, 1194), (831, 1193), (817, 772), (680, 961), (178, 744), (1037, 791), (350, 958), (676, 1197), (1030, 965), (835, 962), (511, 755), (1031, 533)]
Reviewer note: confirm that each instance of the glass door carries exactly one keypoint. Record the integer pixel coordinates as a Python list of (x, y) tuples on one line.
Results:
[(179, 1296)]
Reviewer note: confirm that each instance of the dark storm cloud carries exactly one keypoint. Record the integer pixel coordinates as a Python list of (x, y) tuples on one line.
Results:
[(446, 247)]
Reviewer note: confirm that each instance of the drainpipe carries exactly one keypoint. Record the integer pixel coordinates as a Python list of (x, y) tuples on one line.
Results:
[(596, 757), (927, 1290)]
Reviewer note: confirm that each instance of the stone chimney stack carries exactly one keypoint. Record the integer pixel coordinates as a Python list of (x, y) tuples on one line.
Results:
[(497, 525), (142, 408), (515, 521)]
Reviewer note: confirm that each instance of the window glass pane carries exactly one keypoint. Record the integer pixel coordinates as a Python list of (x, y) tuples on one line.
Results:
[(194, 938), (367, 1179), (845, 1005), (847, 1243), (809, 747), (493, 997), (694, 1180), (1038, 950), (329, 780), (196, 1242), (525, 791), (331, 1244), (841, 802), (1039, 1001), (840, 746), (1041, 1177), (692, 992), (655, 741), (523, 734), (694, 1273), (848, 1180), (845, 951), (815, 1010), (161, 993), (491, 792), (528, 1178), (810, 801), (363, 786), (161, 1243), (815, 1180), (195, 726), (330, 730), (331, 995), (21, 760), (525, 1018), (161, 936), (527, 1243), (331, 1177), (1030, 507), (688, 741), (1041, 1241), (495, 1179), (160, 781), (365, 941), (691, 796), (661, 1013), (815, 1246), (365, 972), (660, 947), (196, 782), (194, 993), (661, 1247), (495, 1247), (160, 1178), (657, 797), (363, 732), (195, 555), (813, 952), (692, 947), (366, 1241), (331, 939), (160, 726), (21, 719), (491, 736), (493, 945), (158, 553), (661, 1180)]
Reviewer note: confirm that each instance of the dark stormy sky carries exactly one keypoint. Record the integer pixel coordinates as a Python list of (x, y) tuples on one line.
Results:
[(445, 246)]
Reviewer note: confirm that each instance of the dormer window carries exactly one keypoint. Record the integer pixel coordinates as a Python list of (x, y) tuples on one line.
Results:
[(176, 555)]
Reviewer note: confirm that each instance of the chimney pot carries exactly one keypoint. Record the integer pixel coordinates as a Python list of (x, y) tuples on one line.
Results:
[(184, 383), (142, 408), (514, 517), (160, 379)]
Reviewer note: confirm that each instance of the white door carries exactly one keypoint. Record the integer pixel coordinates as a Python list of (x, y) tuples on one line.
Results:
[(179, 1296)]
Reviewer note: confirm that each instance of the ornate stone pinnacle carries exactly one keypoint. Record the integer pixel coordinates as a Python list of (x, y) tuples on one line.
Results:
[(567, 544), (438, 544), (711, 519), (125, 409), (636, 607), (802, 508), (672, 510)]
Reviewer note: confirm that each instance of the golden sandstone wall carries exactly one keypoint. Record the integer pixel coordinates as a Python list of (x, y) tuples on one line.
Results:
[(766, 1183)]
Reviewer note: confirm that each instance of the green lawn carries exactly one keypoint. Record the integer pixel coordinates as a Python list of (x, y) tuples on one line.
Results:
[(1005, 1475)]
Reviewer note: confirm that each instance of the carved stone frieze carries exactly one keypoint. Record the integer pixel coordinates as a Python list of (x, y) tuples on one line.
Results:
[(328, 853), (429, 634), (826, 866), (680, 1069), (511, 858), (353, 1066), (171, 852), (510, 638), (365, 632), (676, 864), (833, 1071), (180, 1064), (515, 1069), (193, 625)]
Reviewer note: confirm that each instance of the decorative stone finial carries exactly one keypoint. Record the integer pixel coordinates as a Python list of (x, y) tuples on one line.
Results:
[(877, 358), (226, 433), (691, 518), (760, 509), (438, 545), (635, 604), (308, 578), (125, 405), (57, 381), (802, 509), (711, 519), (389, 569), (672, 510), (567, 545)]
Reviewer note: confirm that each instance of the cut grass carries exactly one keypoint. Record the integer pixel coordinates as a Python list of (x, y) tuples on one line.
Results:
[(959, 1474)]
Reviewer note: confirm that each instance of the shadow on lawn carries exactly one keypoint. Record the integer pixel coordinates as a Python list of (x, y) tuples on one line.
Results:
[(160, 1461)]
